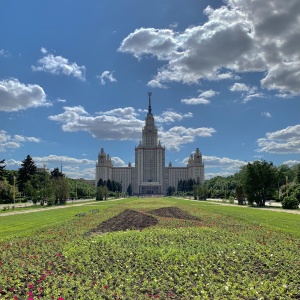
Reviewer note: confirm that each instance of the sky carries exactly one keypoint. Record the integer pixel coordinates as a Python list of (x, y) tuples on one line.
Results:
[(75, 77)]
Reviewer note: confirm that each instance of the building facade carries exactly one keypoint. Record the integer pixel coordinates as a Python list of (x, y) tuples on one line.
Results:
[(149, 175)]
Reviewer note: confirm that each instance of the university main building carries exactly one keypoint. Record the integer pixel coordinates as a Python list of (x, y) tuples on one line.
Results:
[(149, 175)]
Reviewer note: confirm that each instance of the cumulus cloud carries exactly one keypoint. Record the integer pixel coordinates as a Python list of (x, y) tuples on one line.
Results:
[(177, 136), (240, 36), (282, 141), (15, 96), (123, 124), (12, 142), (223, 162), (112, 125), (171, 116), (291, 163), (201, 99), (106, 76), (248, 92), (59, 65)]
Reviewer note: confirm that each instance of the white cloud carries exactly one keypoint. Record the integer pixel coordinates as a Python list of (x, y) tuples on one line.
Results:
[(221, 174), (201, 99), (61, 100), (241, 36), (266, 114), (59, 65), (9, 142), (282, 141), (291, 163), (250, 91), (123, 124), (158, 42), (177, 136), (15, 95), (242, 87), (60, 159), (223, 162), (118, 162), (106, 75), (112, 125), (171, 116)]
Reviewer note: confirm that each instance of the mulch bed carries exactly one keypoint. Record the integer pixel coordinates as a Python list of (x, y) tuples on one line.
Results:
[(134, 220), (172, 212)]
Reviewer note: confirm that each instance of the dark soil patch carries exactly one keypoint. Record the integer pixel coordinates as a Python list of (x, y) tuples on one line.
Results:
[(172, 212), (128, 219)]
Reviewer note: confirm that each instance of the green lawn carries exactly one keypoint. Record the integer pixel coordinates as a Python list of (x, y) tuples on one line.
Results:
[(231, 252)]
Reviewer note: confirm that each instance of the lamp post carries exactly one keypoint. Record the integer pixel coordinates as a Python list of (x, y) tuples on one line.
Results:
[(14, 189)]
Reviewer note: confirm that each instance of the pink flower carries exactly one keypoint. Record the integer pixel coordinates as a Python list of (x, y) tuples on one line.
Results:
[(61, 298), (30, 298), (30, 293), (58, 254), (30, 286)]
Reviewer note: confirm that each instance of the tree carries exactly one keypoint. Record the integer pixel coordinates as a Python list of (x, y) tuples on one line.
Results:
[(56, 173), (27, 170), (129, 190), (2, 169), (170, 191), (61, 189), (259, 181)]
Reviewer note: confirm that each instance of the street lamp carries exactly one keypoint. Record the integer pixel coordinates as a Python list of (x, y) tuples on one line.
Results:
[(14, 189)]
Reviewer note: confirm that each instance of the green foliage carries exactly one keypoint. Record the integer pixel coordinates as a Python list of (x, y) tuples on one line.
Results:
[(171, 191), (111, 185), (25, 173), (236, 258), (2, 169), (259, 182), (6, 192), (290, 202), (61, 189), (129, 190)]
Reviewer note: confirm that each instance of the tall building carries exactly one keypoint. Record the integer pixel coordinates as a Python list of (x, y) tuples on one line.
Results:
[(149, 175)]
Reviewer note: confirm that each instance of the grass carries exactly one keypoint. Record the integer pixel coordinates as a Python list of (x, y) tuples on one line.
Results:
[(231, 253)]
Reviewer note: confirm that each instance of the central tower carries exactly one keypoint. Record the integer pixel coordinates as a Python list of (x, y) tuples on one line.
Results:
[(149, 158)]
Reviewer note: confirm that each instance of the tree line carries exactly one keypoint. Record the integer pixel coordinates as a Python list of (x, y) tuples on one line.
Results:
[(39, 185), (255, 183)]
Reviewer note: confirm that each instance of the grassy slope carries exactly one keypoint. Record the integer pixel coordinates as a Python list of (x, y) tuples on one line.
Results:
[(26, 224)]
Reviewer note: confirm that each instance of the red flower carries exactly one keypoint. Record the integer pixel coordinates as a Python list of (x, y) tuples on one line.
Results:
[(30, 286), (58, 254), (156, 296), (106, 287), (11, 289), (61, 298)]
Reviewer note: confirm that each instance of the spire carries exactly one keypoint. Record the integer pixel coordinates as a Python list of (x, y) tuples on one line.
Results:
[(149, 107)]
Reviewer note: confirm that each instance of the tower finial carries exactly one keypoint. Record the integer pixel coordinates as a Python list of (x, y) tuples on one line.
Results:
[(149, 107)]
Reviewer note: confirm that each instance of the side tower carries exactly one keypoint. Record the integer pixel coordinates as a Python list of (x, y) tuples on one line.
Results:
[(149, 159), (196, 167), (103, 167)]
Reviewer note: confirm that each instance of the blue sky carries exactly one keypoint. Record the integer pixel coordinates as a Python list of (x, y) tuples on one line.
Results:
[(224, 77)]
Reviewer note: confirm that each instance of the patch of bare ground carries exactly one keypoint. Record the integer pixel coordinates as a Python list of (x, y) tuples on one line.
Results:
[(134, 220), (173, 212), (128, 219)]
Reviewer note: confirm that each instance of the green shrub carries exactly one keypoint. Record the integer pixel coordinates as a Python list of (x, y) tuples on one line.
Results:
[(290, 202)]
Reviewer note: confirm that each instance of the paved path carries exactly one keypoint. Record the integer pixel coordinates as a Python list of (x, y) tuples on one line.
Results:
[(16, 212), (219, 202)]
